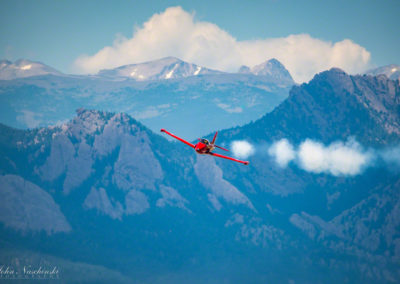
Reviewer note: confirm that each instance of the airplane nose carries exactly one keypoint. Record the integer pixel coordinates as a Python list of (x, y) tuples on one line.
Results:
[(198, 148)]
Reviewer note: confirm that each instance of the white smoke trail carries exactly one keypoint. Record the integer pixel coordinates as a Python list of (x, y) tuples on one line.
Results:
[(338, 159), (242, 149), (283, 152)]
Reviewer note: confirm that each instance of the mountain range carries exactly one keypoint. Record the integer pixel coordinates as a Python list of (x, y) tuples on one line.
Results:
[(102, 191), (157, 93), (165, 68)]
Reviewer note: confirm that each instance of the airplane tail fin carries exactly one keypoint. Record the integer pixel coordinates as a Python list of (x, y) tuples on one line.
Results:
[(215, 137), (213, 142)]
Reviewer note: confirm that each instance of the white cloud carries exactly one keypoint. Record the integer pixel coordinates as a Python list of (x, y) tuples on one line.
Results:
[(282, 151), (242, 149), (176, 32)]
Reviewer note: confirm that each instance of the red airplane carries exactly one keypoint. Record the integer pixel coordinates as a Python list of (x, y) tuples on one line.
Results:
[(205, 147)]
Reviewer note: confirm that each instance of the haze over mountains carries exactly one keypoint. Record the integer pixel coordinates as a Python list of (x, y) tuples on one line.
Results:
[(157, 93), (164, 68), (128, 200)]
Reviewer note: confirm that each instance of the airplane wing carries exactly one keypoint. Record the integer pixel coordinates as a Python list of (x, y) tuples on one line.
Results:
[(221, 148), (176, 137), (229, 158)]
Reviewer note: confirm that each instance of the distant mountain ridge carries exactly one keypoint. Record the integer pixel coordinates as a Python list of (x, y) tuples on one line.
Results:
[(158, 93), (162, 69), (391, 71), (271, 68), (24, 68), (159, 69)]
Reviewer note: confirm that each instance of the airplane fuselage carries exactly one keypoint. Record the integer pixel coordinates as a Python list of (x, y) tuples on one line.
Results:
[(202, 148)]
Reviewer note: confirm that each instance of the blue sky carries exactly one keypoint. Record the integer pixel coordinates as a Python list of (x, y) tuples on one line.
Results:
[(58, 32)]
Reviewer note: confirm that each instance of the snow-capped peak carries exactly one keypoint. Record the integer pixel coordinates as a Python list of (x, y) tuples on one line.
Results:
[(391, 71), (165, 68), (24, 68)]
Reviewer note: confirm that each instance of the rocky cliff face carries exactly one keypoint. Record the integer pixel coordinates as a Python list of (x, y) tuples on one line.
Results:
[(333, 106), (29, 208), (122, 163)]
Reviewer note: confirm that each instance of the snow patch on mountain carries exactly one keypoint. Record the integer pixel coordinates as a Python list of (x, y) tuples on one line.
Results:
[(197, 72)]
